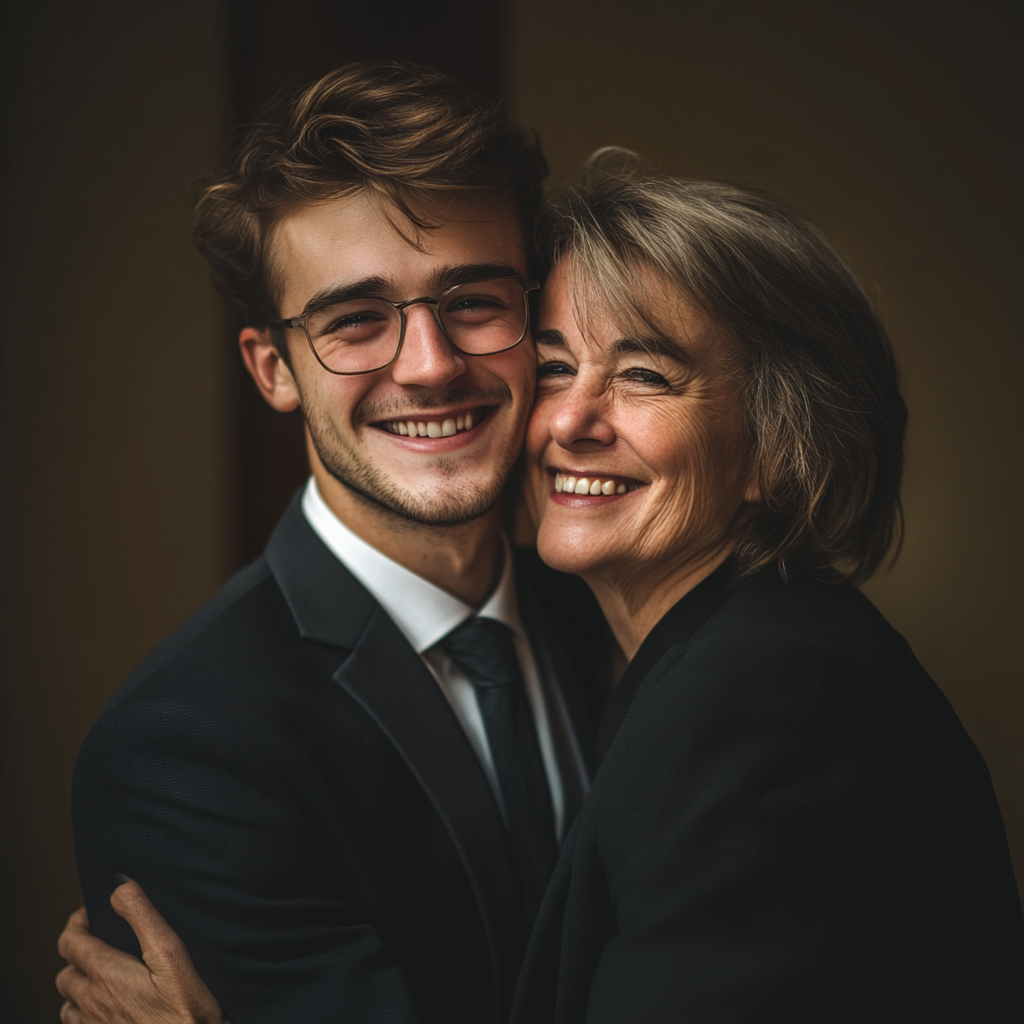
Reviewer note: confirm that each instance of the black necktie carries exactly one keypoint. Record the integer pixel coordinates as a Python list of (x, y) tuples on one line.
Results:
[(485, 650)]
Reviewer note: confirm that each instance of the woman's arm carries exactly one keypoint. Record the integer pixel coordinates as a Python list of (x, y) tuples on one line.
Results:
[(102, 985)]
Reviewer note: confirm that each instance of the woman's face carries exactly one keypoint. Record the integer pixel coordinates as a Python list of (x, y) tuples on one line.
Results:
[(656, 442)]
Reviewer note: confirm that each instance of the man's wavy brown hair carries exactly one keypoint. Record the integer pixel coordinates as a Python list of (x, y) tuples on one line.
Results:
[(402, 133), (824, 414)]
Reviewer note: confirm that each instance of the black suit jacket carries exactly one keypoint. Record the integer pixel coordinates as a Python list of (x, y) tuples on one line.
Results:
[(789, 825), (288, 783)]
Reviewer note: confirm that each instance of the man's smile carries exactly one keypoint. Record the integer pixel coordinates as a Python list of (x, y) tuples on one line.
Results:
[(440, 425)]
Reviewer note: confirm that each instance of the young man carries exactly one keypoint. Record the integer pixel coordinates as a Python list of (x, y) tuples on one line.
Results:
[(344, 780)]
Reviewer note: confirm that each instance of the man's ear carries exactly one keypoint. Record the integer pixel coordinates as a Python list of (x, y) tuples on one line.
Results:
[(268, 369)]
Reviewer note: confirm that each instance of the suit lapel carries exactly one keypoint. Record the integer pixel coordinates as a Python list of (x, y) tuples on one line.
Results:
[(390, 681)]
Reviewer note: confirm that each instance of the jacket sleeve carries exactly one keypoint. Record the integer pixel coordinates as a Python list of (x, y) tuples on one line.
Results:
[(204, 819)]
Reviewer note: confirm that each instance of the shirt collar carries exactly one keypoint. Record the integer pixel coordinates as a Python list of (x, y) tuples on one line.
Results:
[(423, 612)]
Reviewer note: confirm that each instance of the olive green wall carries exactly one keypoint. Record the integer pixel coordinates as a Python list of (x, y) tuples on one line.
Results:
[(895, 126)]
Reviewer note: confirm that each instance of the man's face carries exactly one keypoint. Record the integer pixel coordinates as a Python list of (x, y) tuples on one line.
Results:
[(347, 245)]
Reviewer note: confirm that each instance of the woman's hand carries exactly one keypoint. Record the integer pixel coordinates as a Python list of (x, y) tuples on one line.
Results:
[(102, 985)]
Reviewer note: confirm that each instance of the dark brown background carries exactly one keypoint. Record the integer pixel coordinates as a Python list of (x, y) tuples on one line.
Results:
[(139, 469)]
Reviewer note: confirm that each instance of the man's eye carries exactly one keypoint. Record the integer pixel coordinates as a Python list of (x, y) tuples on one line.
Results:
[(473, 304), (554, 370), (354, 320)]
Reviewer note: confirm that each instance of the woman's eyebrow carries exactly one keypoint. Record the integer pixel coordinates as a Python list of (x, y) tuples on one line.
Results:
[(550, 337), (625, 346), (652, 345)]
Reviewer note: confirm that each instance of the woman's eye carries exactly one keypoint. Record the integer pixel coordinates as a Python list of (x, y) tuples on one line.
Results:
[(644, 376), (554, 370)]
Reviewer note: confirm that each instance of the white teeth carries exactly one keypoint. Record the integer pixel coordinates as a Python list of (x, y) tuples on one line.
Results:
[(587, 485), (432, 428)]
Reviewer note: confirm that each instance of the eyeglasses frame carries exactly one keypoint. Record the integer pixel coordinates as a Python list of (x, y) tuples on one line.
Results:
[(434, 301)]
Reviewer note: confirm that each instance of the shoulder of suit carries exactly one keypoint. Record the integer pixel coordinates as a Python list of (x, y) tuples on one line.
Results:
[(800, 638), (235, 640)]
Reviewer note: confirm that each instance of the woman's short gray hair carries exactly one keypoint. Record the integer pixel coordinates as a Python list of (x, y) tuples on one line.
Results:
[(823, 409)]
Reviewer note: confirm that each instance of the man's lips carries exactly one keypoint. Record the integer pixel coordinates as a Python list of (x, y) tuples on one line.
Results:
[(443, 424)]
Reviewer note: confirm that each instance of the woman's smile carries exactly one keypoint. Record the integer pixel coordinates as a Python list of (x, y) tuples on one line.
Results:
[(637, 455), (578, 487)]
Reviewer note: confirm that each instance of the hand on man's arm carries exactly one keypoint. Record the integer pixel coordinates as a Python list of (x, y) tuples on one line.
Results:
[(102, 985), (217, 822)]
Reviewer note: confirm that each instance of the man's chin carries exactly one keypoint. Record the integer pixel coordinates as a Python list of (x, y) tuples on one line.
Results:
[(452, 507), (448, 492), (443, 515)]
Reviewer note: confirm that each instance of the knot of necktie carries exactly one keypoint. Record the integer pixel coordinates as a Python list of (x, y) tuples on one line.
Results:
[(485, 650)]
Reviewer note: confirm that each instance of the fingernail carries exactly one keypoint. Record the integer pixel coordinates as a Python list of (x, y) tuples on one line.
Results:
[(120, 879)]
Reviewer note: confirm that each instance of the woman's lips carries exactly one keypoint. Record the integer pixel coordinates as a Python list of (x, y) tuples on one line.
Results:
[(593, 485)]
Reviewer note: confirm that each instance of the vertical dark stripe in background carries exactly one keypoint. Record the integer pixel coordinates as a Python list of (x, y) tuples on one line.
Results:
[(273, 49)]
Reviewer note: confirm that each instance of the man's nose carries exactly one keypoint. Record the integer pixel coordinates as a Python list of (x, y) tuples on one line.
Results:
[(428, 358)]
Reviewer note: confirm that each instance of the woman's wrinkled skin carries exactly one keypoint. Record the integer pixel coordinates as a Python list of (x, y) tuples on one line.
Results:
[(110, 987), (673, 424)]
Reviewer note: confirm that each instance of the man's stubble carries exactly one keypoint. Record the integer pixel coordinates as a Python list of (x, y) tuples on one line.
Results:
[(357, 472)]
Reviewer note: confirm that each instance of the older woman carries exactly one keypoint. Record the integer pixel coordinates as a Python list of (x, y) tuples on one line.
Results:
[(788, 823)]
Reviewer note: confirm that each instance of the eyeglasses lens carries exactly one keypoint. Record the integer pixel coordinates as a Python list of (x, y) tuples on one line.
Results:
[(363, 334), (488, 316), (354, 336)]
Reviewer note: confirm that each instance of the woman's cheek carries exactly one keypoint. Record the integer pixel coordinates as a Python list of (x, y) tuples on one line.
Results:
[(537, 436)]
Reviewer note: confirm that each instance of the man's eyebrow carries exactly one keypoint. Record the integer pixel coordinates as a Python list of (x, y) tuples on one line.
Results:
[(467, 273), (550, 337), (439, 280), (367, 287)]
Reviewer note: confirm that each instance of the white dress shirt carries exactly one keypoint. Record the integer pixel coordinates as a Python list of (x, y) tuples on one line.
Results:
[(425, 613)]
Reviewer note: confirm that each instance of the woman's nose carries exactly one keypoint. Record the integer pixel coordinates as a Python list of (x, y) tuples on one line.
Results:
[(428, 358), (580, 422)]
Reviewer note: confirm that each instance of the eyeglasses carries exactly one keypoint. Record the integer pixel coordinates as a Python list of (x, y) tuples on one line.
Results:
[(481, 318)]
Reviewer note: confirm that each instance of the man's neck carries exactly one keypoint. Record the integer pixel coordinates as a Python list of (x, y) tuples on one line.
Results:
[(465, 560)]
